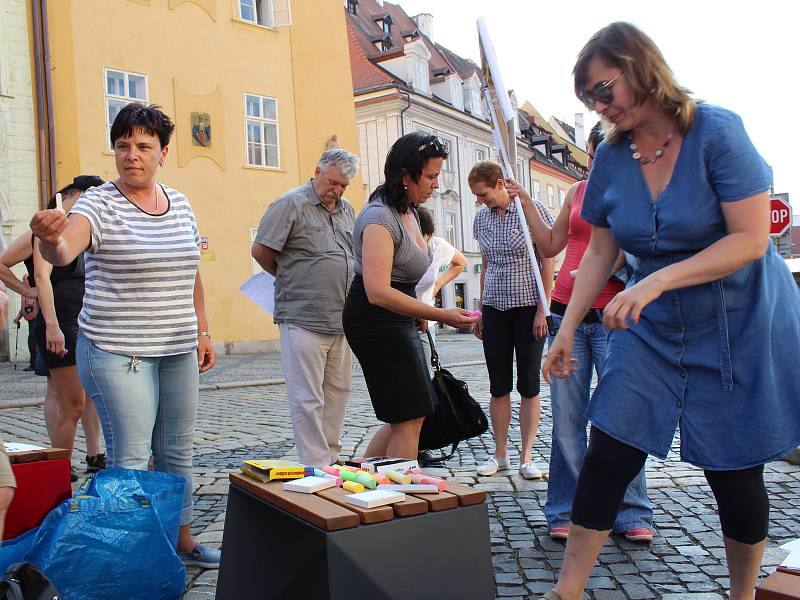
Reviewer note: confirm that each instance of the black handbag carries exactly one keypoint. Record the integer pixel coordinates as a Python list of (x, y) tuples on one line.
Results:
[(23, 581), (458, 417)]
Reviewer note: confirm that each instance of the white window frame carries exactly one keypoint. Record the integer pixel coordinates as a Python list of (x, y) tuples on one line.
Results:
[(480, 155), (268, 13), (126, 98), (262, 121), (562, 195), (450, 162), (4, 84), (551, 196), (450, 228), (537, 190), (421, 77), (455, 93)]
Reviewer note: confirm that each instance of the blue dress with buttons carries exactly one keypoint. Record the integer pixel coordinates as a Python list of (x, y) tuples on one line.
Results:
[(719, 359)]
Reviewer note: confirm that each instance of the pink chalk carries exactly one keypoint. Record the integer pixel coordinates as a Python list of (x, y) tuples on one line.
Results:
[(475, 313), (331, 470), (440, 483)]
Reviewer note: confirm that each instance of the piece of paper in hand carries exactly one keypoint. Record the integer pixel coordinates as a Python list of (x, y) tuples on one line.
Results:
[(58, 202), (261, 290)]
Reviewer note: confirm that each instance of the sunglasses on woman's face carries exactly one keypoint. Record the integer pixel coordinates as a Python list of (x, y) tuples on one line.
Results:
[(601, 92)]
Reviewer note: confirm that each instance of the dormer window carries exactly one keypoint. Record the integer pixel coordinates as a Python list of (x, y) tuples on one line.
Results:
[(383, 45), (421, 79), (352, 7), (386, 25), (455, 93)]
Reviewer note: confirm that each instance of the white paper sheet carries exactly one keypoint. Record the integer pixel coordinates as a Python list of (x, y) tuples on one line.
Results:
[(17, 447), (793, 546), (261, 290), (792, 561)]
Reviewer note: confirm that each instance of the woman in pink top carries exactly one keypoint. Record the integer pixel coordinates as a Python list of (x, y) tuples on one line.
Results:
[(570, 396)]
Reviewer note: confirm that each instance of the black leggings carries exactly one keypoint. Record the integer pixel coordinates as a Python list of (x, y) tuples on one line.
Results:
[(609, 466)]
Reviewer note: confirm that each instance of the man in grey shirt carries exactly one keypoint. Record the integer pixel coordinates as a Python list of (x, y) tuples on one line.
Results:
[(305, 240)]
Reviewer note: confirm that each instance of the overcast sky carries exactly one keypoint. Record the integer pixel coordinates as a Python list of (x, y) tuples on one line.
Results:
[(743, 56)]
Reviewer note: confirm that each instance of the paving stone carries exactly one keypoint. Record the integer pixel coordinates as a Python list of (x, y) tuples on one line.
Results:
[(686, 559)]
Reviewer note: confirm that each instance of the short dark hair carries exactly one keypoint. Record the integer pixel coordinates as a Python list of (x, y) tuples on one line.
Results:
[(427, 226), (596, 136), (147, 117), (80, 184), (409, 154)]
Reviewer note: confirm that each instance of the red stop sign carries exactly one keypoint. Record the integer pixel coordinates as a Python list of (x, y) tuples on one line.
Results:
[(780, 216)]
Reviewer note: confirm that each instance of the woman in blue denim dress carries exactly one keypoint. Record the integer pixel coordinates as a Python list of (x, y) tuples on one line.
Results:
[(702, 334)]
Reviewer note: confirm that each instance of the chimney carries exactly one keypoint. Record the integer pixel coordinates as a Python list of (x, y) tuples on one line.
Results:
[(424, 23), (580, 134)]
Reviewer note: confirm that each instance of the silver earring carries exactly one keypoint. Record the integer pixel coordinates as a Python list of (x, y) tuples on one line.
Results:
[(405, 187)]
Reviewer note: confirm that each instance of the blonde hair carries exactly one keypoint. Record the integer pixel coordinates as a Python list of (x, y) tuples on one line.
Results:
[(626, 47), (487, 172)]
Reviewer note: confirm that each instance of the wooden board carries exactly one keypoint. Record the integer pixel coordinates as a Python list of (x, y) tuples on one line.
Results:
[(34, 455), (366, 515), (312, 508), (466, 495), (440, 501), (411, 506), (779, 586)]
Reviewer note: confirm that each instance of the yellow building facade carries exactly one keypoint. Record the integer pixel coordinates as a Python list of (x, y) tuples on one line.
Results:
[(257, 90)]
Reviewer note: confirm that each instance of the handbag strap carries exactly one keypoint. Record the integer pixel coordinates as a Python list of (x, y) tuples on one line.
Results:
[(435, 362)]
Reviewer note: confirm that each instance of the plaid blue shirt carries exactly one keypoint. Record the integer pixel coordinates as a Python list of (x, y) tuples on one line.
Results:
[(508, 281)]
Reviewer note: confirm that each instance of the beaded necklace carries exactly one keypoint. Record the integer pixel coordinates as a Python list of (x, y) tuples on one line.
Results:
[(645, 160)]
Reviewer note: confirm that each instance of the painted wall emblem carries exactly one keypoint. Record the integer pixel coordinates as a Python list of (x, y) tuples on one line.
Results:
[(201, 129)]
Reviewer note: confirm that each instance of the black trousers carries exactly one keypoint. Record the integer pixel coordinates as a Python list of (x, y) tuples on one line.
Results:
[(610, 465), (507, 333)]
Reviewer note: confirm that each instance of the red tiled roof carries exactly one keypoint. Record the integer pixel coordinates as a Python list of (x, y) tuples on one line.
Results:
[(365, 74), (363, 30)]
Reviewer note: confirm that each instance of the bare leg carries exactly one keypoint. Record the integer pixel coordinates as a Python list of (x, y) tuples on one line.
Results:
[(51, 408), (379, 444), (91, 428), (583, 547), (529, 412), (744, 564), (404, 440), (186, 543), (70, 406), (500, 412)]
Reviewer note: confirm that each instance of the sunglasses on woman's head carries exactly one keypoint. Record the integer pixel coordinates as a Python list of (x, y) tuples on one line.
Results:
[(436, 144), (601, 92)]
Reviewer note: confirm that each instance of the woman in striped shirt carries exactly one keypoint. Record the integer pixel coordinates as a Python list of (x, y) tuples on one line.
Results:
[(143, 328)]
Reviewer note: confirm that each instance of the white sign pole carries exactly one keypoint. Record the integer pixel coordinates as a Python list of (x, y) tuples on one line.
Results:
[(495, 95)]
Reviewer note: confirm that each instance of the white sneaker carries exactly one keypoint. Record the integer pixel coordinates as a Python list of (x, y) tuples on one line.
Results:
[(529, 471), (492, 465)]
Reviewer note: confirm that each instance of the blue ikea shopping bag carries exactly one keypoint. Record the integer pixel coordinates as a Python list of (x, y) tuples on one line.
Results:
[(114, 540)]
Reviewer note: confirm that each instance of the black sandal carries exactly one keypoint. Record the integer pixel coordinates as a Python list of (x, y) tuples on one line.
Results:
[(95, 463)]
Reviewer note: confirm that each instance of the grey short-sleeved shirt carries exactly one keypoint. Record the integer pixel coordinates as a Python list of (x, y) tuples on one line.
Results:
[(409, 262), (315, 258)]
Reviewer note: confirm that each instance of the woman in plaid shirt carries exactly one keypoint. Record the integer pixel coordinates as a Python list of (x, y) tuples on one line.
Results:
[(512, 321)]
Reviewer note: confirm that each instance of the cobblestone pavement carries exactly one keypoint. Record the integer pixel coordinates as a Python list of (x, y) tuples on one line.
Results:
[(685, 560)]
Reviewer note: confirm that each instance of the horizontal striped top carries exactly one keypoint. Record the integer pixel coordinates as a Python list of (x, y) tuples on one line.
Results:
[(140, 274)]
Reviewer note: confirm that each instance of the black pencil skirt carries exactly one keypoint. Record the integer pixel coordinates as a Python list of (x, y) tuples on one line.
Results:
[(390, 352)]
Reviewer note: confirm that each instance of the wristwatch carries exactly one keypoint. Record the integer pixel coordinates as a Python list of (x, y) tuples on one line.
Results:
[(205, 333)]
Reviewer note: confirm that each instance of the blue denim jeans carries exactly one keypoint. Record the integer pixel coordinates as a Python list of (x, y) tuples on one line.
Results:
[(569, 398), (150, 410)]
